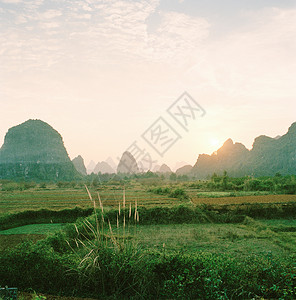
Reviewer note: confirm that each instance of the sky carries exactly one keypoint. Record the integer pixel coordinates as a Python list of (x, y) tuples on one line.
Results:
[(107, 74)]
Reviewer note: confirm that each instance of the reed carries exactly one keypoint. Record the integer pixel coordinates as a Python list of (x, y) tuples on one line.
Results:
[(98, 248)]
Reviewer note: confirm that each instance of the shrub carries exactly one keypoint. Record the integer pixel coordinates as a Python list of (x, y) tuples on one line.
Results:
[(43, 185), (10, 186), (179, 193), (35, 266)]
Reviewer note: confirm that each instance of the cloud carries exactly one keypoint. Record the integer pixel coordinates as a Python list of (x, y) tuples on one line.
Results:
[(11, 1), (178, 35), (96, 32), (106, 31), (49, 25), (256, 62), (50, 14), (125, 65)]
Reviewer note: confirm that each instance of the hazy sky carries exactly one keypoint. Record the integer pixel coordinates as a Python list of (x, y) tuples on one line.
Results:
[(102, 72)]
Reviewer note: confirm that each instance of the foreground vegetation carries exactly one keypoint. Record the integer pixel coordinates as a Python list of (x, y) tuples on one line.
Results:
[(118, 263), (163, 239)]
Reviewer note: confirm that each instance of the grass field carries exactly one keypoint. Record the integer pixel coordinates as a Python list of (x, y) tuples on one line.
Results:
[(195, 193), (12, 240), (276, 199), (54, 198), (57, 199), (239, 240), (33, 229), (12, 237), (214, 244)]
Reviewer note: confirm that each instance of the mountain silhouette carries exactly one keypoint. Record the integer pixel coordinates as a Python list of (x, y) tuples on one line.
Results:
[(90, 167), (184, 170), (34, 150), (267, 157), (127, 164), (164, 169), (103, 168), (79, 165)]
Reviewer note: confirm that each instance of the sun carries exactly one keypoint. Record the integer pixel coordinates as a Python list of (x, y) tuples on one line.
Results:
[(214, 142)]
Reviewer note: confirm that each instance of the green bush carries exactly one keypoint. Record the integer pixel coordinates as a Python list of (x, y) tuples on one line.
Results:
[(212, 276), (176, 193), (10, 186), (36, 266), (179, 193)]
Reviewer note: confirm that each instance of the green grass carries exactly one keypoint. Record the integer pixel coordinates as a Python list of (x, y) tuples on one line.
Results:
[(237, 240), (196, 193), (280, 222), (201, 261), (58, 199), (169, 257), (33, 229), (53, 198)]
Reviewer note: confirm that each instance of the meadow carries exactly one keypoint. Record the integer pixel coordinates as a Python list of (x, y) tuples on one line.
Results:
[(164, 240), (64, 198)]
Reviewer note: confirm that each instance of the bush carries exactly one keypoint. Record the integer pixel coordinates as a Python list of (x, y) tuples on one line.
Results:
[(37, 267), (290, 188), (43, 185), (179, 193), (10, 186), (213, 276)]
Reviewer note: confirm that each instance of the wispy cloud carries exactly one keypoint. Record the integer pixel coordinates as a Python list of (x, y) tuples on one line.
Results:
[(11, 1), (104, 28), (257, 61)]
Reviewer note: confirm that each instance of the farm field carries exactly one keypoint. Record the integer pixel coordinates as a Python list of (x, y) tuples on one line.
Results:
[(33, 229), (66, 198), (238, 240), (57, 199), (262, 238), (181, 226), (176, 220), (12, 240), (12, 237), (276, 199), (195, 193)]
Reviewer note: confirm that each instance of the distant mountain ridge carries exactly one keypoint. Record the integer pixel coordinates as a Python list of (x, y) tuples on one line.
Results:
[(34, 150), (127, 164), (164, 169), (103, 168), (267, 157), (90, 167), (79, 165)]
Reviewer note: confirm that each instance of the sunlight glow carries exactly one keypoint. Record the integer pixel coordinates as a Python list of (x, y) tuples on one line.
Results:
[(215, 143)]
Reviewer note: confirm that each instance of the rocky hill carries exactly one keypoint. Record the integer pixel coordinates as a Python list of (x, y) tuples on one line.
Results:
[(111, 163), (164, 169), (79, 165), (127, 164), (90, 167), (34, 150), (267, 157), (103, 168), (184, 170)]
